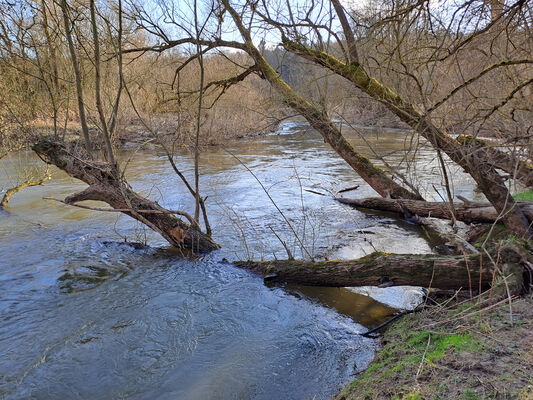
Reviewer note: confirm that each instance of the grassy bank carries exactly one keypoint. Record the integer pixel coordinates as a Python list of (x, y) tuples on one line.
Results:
[(464, 351)]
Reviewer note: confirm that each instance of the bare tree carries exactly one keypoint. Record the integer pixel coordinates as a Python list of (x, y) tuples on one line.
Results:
[(68, 28), (302, 33)]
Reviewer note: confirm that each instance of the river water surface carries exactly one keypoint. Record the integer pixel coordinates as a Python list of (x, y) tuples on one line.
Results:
[(85, 315)]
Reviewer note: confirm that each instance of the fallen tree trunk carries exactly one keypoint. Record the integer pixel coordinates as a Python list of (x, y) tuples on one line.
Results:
[(443, 272), (105, 186), (468, 213)]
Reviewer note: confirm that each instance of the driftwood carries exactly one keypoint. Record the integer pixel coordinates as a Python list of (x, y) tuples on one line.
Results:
[(454, 241), (105, 186), (470, 272), (468, 213)]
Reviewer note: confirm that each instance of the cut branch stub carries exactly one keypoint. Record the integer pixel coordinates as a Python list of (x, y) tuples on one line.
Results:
[(104, 186)]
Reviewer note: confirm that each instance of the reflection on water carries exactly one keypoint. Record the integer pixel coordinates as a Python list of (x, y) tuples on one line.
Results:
[(362, 309), (145, 324)]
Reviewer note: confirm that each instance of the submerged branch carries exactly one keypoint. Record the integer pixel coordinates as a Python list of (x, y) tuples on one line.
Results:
[(23, 185)]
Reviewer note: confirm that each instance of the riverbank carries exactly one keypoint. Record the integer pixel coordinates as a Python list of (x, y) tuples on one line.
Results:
[(169, 128), (170, 131), (471, 350)]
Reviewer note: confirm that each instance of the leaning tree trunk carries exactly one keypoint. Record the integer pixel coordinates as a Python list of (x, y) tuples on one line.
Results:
[(467, 155), (319, 120), (517, 168), (468, 213), (105, 186), (443, 272)]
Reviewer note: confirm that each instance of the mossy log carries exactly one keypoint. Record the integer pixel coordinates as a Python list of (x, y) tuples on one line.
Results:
[(443, 272), (105, 186), (468, 213)]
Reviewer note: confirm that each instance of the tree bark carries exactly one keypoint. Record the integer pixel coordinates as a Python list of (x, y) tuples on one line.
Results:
[(468, 213), (443, 272), (104, 186), (516, 168)]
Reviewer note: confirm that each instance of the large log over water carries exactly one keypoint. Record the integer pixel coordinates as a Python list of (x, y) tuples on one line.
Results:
[(105, 186), (469, 213), (443, 272)]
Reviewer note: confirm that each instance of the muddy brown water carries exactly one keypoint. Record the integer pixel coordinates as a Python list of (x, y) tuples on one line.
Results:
[(85, 315)]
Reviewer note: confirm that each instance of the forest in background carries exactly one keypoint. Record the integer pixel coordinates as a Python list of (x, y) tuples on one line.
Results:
[(478, 88)]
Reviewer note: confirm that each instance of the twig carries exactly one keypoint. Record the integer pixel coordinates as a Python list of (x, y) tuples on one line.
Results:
[(419, 370), (384, 324), (289, 254), (273, 202), (470, 314), (349, 189), (312, 191)]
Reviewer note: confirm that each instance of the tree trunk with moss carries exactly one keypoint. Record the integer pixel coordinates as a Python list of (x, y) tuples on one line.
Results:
[(320, 121), (451, 272), (467, 155), (104, 186)]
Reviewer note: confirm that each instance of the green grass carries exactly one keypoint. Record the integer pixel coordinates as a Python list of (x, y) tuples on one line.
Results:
[(419, 364), (471, 395), (408, 396), (524, 196), (402, 357), (455, 341), (440, 344)]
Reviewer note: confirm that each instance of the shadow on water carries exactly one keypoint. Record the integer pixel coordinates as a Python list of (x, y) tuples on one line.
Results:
[(362, 309)]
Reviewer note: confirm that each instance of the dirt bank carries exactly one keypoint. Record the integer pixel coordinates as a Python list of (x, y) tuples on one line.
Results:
[(461, 351)]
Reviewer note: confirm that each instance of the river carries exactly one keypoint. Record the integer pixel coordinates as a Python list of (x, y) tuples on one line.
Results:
[(85, 315)]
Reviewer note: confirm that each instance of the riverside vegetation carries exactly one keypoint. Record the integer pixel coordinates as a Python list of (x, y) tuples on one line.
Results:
[(82, 81)]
